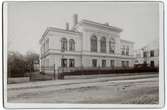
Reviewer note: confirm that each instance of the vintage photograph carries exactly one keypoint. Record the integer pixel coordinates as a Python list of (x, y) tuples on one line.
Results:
[(83, 53)]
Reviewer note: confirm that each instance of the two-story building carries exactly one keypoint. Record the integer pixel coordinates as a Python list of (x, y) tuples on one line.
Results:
[(149, 54), (87, 44)]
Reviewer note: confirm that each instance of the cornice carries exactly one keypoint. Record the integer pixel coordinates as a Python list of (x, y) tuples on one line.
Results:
[(98, 25), (54, 29)]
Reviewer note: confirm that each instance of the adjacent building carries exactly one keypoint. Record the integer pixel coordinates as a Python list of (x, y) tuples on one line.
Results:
[(149, 54), (87, 44)]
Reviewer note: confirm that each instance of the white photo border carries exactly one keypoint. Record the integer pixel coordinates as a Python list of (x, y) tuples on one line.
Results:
[(86, 106)]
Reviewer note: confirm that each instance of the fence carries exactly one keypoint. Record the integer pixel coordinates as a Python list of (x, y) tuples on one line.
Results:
[(61, 72)]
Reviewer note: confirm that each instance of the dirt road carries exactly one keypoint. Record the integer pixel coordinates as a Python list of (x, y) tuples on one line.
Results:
[(111, 90)]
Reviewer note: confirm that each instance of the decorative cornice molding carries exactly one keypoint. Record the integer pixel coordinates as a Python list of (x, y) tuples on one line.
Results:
[(87, 53), (95, 24), (64, 31), (58, 30)]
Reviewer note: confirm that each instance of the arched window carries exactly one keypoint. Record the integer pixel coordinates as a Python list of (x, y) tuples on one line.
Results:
[(123, 50), (71, 45), (103, 44), (93, 43), (63, 44), (112, 46), (127, 50)]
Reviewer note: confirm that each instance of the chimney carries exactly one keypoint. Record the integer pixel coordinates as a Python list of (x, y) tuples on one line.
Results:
[(75, 19), (67, 26)]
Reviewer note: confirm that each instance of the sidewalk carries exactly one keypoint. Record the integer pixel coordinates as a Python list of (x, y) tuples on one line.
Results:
[(91, 79)]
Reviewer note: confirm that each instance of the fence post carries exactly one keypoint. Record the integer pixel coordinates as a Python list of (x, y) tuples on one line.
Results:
[(54, 72)]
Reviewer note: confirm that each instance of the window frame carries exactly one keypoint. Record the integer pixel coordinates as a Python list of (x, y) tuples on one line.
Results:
[(103, 64), (71, 45), (94, 62), (71, 63), (93, 43), (63, 64), (103, 46), (112, 46), (112, 63), (64, 44), (152, 53)]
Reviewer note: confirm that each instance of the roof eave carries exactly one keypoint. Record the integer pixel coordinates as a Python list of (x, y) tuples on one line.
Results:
[(112, 28), (44, 34)]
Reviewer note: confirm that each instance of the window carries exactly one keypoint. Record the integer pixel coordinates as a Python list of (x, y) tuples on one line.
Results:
[(112, 63), (71, 45), (112, 46), (123, 64), (145, 63), (127, 50), (42, 49), (123, 50), (47, 44), (63, 62), (63, 44), (103, 44), (152, 53), (127, 64), (47, 62), (152, 64), (136, 61), (94, 62), (71, 63), (93, 43), (103, 63), (144, 54)]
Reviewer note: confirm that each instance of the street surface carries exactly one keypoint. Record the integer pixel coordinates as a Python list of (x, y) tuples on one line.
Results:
[(105, 89)]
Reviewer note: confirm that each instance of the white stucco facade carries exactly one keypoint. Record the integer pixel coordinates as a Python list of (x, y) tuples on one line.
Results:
[(82, 55), (151, 52)]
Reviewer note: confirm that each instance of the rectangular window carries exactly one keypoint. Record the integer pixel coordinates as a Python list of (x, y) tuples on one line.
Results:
[(127, 64), (71, 63), (63, 62), (152, 64), (145, 63), (112, 63), (123, 64), (144, 54), (47, 62), (123, 53), (127, 52), (94, 63), (152, 53), (47, 44), (123, 50), (103, 63)]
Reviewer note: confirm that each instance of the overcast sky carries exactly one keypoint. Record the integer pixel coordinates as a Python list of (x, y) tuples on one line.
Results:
[(27, 21)]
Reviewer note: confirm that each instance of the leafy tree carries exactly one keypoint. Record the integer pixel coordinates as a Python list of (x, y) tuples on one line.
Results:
[(19, 64), (31, 59), (16, 65)]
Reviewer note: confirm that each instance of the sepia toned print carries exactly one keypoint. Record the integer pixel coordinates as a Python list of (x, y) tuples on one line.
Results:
[(109, 55)]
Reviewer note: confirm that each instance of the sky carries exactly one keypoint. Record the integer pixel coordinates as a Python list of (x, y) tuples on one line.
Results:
[(27, 21)]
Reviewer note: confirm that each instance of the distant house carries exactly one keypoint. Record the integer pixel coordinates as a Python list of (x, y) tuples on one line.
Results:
[(149, 54), (36, 65), (88, 44)]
